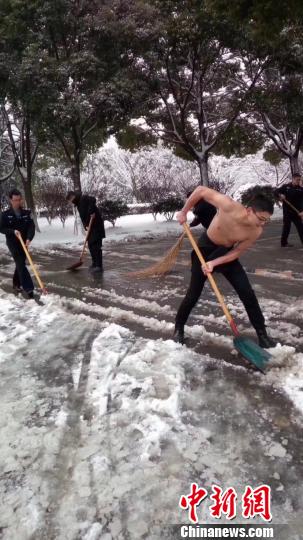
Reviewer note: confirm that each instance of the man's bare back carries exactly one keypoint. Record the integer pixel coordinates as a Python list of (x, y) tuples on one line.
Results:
[(233, 225)]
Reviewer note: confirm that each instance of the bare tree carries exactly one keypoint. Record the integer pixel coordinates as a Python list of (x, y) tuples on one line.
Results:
[(276, 112), (24, 148), (7, 161), (287, 141)]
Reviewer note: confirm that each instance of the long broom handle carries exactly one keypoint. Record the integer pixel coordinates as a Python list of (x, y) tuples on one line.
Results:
[(86, 237), (292, 206), (30, 260), (212, 281)]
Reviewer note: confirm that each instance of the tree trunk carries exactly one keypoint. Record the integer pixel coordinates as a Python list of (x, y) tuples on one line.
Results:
[(203, 168), (294, 164), (29, 197), (75, 173), (27, 181)]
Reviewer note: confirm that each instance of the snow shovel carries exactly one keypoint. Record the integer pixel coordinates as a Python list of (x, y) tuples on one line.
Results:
[(80, 262), (30, 260), (248, 348), (293, 207)]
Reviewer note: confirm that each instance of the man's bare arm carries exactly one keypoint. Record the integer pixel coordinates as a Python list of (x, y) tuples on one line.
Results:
[(209, 195)]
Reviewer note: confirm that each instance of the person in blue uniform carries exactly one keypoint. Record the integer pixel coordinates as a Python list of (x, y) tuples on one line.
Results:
[(13, 221)]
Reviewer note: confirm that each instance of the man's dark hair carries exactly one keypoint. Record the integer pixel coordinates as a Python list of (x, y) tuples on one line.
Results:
[(15, 192), (261, 203), (296, 175), (260, 198)]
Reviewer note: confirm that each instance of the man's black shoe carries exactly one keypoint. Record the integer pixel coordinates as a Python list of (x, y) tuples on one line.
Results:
[(287, 245), (179, 335), (30, 295), (265, 341), (17, 289), (96, 269)]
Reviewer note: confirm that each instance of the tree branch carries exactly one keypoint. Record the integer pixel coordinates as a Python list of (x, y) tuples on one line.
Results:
[(4, 178)]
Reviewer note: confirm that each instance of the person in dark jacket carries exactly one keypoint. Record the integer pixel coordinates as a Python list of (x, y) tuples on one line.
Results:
[(15, 219), (87, 208), (293, 193), (204, 213)]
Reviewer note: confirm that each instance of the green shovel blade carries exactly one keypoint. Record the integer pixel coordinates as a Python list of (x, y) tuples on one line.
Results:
[(252, 352)]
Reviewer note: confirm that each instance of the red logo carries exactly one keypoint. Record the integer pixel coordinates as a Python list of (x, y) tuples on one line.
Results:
[(225, 503), (192, 501), (255, 502)]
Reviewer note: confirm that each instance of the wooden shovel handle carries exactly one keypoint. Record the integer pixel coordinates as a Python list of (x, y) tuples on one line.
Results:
[(30, 260), (211, 280), (293, 207), (87, 236)]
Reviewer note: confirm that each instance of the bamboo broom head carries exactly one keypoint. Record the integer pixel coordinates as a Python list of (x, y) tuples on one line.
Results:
[(164, 265)]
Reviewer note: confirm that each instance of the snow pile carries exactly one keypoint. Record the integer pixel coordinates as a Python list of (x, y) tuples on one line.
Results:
[(286, 372)]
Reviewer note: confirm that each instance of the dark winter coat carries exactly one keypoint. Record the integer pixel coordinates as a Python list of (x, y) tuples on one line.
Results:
[(86, 206), (10, 222), (294, 194), (204, 213)]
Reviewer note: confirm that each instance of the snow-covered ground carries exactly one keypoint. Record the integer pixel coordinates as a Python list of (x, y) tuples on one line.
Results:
[(102, 431)]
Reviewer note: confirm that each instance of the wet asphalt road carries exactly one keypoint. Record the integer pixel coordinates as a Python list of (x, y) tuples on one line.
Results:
[(277, 276)]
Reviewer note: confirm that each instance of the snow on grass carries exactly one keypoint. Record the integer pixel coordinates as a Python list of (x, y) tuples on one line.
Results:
[(127, 228)]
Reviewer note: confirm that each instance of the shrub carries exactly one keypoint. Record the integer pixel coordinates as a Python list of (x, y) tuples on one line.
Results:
[(167, 207), (112, 210)]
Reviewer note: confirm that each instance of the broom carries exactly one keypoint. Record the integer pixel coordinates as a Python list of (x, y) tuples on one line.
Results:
[(80, 261), (30, 260), (164, 265), (293, 207)]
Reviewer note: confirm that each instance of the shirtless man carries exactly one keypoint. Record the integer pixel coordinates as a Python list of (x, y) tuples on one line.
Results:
[(232, 231)]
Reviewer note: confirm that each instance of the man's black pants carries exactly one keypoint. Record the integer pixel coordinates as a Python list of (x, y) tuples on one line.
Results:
[(233, 272), (95, 248), (288, 219), (21, 277)]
